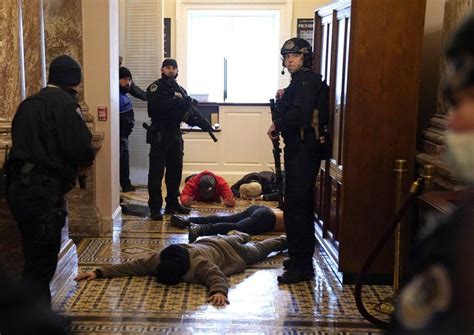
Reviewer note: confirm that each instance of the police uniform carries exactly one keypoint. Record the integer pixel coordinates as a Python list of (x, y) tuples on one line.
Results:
[(50, 141), (166, 110), (302, 152)]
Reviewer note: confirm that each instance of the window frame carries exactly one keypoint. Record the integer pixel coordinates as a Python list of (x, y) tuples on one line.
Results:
[(285, 7)]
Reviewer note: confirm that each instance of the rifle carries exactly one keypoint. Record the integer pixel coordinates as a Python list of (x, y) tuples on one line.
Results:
[(276, 156), (192, 116)]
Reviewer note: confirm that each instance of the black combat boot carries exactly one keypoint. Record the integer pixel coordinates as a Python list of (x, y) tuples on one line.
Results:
[(197, 230), (176, 208), (293, 276), (156, 216), (194, 232)]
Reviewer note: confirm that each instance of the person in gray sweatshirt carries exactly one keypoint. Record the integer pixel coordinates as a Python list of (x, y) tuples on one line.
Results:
[(207, 261)]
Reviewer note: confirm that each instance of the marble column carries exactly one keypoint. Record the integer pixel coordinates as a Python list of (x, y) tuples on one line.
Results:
[(63, 32), (33, 46), (11, 66), (63, 35), (433, 149)]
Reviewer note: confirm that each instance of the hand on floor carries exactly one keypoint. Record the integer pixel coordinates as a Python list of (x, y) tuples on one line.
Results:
[(218, 299), (91, 275)]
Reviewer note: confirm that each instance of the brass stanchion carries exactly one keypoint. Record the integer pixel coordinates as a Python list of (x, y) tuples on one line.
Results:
[(387, 306), (428, 173)]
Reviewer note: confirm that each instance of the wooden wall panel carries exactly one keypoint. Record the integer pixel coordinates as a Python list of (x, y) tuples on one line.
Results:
[(380, 121)]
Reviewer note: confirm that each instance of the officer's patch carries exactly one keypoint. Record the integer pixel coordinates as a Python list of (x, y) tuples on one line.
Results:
[(288, 45), (153, 87)]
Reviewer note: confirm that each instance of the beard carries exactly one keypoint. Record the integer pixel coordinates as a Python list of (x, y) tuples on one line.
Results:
[(460, 154), (124, 89)]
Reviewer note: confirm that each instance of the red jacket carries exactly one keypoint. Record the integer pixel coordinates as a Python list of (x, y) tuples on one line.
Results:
[(190, 191)]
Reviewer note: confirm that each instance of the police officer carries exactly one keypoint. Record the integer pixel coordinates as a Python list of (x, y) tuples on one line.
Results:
[(166, 108), (301, 119), (50, 144)]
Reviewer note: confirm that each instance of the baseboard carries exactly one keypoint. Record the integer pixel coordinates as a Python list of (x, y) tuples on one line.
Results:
[(108, 224)]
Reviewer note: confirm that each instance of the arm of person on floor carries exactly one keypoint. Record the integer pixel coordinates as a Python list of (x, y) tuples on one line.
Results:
[(189, 191), (210, 275), (223, 189), (138, 267)]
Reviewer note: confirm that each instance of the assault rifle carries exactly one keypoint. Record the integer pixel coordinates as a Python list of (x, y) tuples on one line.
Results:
[(276, 156), (192, 116)]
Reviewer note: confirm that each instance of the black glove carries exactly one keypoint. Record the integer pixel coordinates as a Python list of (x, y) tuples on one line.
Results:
[(185, 102)]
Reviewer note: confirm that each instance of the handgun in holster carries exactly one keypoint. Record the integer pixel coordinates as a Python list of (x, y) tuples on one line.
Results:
[(150, 133)]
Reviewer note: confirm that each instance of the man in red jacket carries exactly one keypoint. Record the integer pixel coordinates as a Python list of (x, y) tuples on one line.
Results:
[(208, 187)]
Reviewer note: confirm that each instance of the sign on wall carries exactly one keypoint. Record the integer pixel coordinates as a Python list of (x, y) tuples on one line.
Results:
[(167, 37), (304, 29)]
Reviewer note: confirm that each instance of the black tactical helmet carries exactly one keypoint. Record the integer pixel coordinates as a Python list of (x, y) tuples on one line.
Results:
[(298, 45)]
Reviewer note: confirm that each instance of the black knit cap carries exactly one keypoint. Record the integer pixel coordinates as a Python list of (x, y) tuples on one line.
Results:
[(124, 73), (170, 61), (174, 263), (64, 70)]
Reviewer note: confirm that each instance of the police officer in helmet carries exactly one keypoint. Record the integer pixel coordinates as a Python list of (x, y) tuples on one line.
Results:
[(166, 107), (302, 116)]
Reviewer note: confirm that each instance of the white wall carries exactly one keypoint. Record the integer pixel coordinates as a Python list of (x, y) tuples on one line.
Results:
[(100, 36)]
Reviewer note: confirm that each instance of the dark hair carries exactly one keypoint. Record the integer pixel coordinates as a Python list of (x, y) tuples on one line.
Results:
[(174, 263)]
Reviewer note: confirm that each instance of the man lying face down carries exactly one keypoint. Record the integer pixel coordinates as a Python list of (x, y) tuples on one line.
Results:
[(208, 262)]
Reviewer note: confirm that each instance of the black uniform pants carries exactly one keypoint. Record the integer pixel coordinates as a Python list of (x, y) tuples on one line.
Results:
[(254, 220), (124, 162), (36, 202), (166, 159), (301, 168)]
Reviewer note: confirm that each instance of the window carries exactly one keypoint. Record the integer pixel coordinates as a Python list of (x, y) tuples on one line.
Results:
[(247, 41)]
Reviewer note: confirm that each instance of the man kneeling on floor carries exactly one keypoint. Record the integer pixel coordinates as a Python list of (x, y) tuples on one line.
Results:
[(208, 262)]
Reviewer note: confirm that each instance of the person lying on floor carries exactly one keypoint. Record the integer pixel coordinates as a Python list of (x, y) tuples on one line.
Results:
[(208, 187), (208, 262), (257, 219), (257, 185)]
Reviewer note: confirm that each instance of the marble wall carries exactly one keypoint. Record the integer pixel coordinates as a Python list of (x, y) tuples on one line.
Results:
[(63, 31), (33, 45), (22, 72), (10, 65)]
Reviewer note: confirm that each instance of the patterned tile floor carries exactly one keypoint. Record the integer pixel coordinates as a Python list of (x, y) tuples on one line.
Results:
[(258, 305)]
